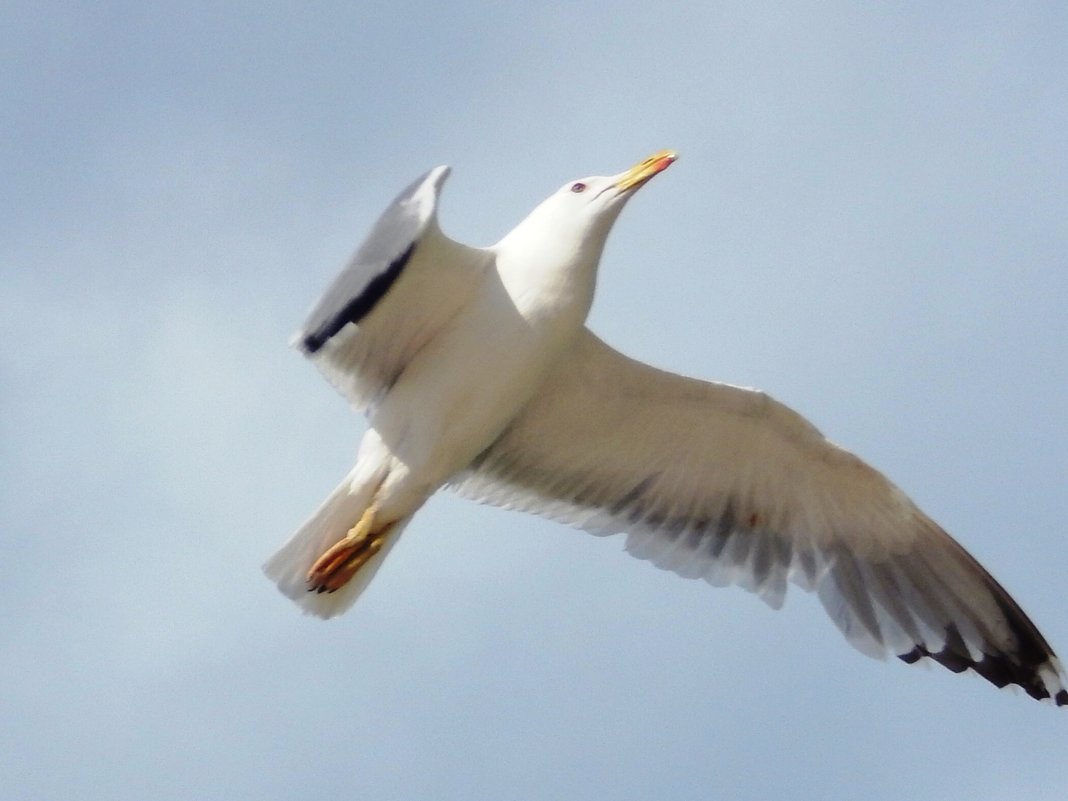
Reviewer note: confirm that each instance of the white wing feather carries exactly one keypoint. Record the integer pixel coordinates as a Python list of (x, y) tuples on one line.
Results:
[(724, 483)]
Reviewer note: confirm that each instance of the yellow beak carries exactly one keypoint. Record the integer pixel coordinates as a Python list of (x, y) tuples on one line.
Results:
[(640, 173)]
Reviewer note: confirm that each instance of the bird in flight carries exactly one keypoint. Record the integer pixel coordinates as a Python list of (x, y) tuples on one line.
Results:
[(475, 370)]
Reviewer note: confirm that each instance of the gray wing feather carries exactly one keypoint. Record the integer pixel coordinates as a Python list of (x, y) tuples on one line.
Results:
[(725, 484), (405, 282), (376, 264)]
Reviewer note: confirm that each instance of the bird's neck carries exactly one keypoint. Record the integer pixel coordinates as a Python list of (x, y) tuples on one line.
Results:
[(549, 277)]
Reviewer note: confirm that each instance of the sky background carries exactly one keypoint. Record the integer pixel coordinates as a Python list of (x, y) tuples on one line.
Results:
[(868, 219)]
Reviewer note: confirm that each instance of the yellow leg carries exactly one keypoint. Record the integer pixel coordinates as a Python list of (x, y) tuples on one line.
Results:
[(342, 560)]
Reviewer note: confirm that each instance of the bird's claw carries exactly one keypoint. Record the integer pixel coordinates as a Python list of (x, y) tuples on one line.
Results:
[(343, 559)]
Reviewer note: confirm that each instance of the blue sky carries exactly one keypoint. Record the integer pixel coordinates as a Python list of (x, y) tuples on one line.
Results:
[(869, 219)]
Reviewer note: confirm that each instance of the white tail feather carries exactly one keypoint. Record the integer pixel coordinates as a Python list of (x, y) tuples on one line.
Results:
[(289, 566)]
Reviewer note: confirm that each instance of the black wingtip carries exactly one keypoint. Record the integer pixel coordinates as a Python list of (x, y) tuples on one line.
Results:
[(360, 306), (1018, 655), (1000, 670), (312, 343)]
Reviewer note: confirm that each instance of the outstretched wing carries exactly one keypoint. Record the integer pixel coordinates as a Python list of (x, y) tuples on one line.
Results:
[(406, 281), (723, 483)]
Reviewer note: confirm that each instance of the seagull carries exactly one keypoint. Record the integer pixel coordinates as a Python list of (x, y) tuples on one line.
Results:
[(475, 370)]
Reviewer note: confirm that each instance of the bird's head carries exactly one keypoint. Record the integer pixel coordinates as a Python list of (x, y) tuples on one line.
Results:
[(577, 217)]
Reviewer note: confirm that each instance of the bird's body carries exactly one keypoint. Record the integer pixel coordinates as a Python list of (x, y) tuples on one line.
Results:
[(475, 369)]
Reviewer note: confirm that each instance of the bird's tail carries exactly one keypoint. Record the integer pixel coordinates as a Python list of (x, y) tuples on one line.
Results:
[(289, 566)]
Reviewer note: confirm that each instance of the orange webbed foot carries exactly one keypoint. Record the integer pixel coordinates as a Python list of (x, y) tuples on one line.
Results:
[(343, 559)]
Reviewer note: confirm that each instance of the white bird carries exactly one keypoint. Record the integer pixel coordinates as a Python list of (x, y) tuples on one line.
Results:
[(475, 369)]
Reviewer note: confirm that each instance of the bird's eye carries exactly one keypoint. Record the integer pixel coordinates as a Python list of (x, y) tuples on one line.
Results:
[(578, 187)]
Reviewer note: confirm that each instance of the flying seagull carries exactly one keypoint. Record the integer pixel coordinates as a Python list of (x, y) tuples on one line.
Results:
[(475, 370)]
